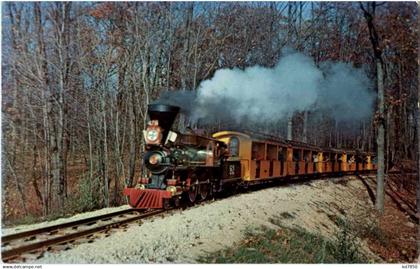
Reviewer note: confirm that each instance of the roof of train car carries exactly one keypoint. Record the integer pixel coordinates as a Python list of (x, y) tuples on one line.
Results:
[(261, 137)]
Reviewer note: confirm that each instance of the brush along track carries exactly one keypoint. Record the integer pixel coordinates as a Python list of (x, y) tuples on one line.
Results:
[(47, 238)]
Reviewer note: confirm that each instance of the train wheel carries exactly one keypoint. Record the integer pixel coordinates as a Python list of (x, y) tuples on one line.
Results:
[(166, 203), (204, 191), (192, 194), (211, 191), (177, 201)]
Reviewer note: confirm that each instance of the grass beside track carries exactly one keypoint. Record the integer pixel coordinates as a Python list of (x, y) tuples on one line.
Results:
[(290, 245)]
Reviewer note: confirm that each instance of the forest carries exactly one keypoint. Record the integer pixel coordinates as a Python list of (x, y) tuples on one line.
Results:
[(77, 78)]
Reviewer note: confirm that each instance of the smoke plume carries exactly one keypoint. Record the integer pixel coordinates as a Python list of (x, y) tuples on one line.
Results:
[(295, 84)]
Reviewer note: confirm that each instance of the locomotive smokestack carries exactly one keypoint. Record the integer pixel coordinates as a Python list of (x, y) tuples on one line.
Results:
[(165, 114)]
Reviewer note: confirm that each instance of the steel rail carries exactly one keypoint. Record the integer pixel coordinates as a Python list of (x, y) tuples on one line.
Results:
[(399, 202), (369, 188), (43, 244), (11, 237)]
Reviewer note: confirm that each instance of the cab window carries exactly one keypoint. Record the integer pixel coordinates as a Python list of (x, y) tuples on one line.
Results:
[(234, 146)]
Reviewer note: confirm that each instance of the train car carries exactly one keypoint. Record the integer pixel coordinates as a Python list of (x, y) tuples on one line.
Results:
[(193, 167), (264, 157)]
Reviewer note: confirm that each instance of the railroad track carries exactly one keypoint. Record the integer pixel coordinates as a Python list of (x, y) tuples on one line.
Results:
[(32, 244), (390, 190)]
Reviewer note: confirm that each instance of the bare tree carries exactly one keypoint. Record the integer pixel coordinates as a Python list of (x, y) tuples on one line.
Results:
[(45, 89), (369, 14)]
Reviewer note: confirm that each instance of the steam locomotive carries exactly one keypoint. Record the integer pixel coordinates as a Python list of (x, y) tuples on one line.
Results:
[(191, 167)]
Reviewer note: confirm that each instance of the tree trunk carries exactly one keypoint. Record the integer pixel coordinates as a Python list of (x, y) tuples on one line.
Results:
[(15, 19), (45, 111), (186, 46), (18, 187), (117, 156), (60, 143), (105, 153), (132, 140), (381, 142), (388, 146), (369, 13), (88, 117), (34, 174)]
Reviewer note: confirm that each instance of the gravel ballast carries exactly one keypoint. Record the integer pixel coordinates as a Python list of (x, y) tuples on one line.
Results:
[(186, 235)]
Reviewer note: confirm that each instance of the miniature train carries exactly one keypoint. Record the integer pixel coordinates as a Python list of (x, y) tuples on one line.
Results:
[(191, 167)]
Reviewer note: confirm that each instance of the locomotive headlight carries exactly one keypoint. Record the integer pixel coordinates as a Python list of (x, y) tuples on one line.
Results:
[(139, 187), (154, 159), (152, 135), (172, 190), (156, 162)]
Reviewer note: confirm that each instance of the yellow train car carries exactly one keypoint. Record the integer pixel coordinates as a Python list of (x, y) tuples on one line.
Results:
[(264, 157)]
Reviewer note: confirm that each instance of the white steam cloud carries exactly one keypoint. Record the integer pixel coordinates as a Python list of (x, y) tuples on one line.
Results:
[(346, 92), (260, 94)]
